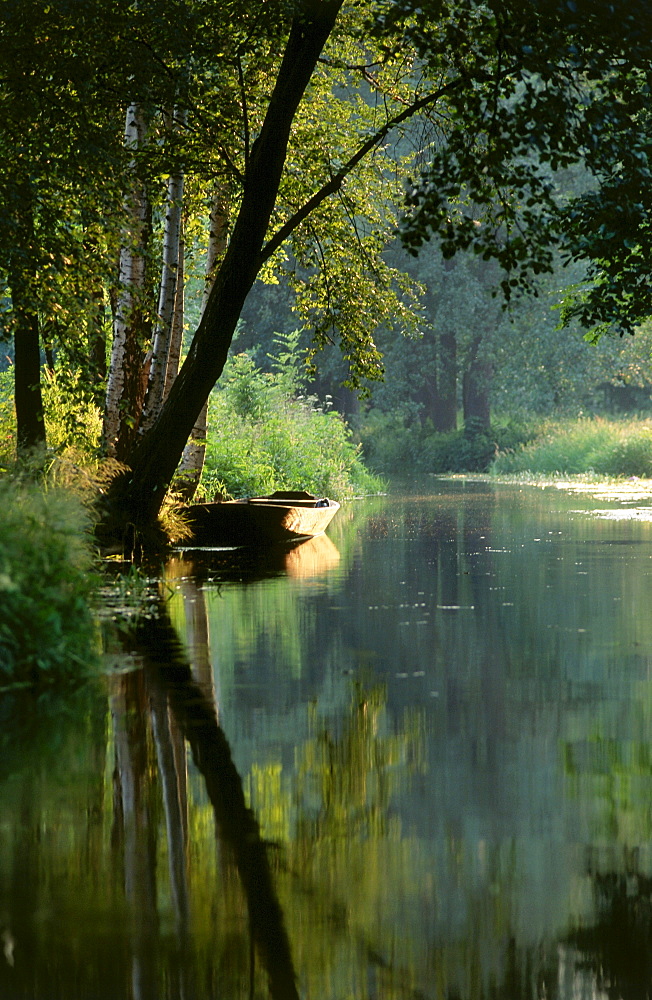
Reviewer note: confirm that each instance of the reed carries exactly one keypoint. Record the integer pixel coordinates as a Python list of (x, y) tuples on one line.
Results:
[(597, 445)]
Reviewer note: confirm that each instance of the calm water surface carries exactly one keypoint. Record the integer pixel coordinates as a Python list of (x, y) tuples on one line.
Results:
[(411, 759)]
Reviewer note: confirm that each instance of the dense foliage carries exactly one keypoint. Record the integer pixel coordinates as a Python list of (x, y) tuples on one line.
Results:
[(47, 631), (125, 127), (269, 434)]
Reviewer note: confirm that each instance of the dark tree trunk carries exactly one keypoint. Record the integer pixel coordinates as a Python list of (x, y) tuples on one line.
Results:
[(477, 393), (136, 496), (30, 422), (439, 394), (444, 411)]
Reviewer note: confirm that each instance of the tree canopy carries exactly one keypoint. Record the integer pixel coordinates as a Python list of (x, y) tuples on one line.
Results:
[(308, 121)]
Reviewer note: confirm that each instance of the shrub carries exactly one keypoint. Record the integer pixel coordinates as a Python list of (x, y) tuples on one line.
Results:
[(46, 626), (457, 452), (390, 445), (261, 438), (72, 420), (7, 418)]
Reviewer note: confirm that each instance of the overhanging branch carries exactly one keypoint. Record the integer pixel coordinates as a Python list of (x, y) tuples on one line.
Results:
[(337, 179)]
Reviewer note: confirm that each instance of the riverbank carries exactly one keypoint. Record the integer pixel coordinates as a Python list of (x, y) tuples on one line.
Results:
[(47, 576), (595, 446)]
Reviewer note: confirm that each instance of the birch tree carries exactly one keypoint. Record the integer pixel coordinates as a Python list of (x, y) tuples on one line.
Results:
[(161, 343), (124, 385), (192, 460)]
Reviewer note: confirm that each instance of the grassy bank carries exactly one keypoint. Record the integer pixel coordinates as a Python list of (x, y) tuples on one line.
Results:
[(598, 446), (47, 630)]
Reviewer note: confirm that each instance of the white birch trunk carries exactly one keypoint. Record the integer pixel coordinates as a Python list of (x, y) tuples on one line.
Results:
[(192, 460), (169, 280), (176, 335), (131, 284)]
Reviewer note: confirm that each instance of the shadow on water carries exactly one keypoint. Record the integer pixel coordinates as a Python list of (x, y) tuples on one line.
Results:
[(310, 557), (169, 678)]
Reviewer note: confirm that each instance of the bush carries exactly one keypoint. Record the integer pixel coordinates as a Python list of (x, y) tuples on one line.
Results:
[(390, 445), (72, 420), (457, 452), (46, 626), (262, 438), (7, 418)]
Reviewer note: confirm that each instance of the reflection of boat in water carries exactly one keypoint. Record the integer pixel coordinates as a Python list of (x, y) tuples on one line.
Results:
[(256, 521), (305, 559), (312, 557)]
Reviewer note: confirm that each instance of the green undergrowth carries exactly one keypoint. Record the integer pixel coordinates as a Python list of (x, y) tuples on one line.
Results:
[(392, 444), (72, 419), (267, 433), (597, 445), (47, 630)]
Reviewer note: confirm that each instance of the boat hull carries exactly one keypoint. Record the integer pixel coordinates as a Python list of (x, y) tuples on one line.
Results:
[(258, 520)]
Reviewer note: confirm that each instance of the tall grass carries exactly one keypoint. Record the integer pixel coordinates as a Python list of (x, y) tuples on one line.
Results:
[(589, 445), (266, 433), (47, 628)]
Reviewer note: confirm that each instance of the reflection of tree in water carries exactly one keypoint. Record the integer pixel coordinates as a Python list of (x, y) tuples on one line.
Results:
[(349, 774), (371, 893), (171, 685), (616, 952)]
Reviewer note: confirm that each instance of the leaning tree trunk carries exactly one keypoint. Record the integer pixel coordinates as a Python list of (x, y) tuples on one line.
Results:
[(192, 460), (28, 400), (135, 497), (124, 386)]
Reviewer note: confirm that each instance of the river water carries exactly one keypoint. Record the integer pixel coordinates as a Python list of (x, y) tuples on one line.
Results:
[(410, 759)]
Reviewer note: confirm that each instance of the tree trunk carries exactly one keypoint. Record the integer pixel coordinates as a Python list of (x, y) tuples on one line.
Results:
[(30, 422), (192, 460), (477, 395), (176, 331), (167, 295), (438, 392), (135, 497), (124, 395), (444, 412)]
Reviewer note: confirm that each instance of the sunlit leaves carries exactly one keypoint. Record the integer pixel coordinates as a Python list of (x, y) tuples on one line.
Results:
[(524, 112)]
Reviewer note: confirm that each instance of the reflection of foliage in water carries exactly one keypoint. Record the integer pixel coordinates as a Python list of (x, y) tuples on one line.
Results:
[(345, 781), (614, 954), (345, 848)]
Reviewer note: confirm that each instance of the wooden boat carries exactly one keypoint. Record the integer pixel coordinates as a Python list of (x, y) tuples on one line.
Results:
[(279, 517)]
